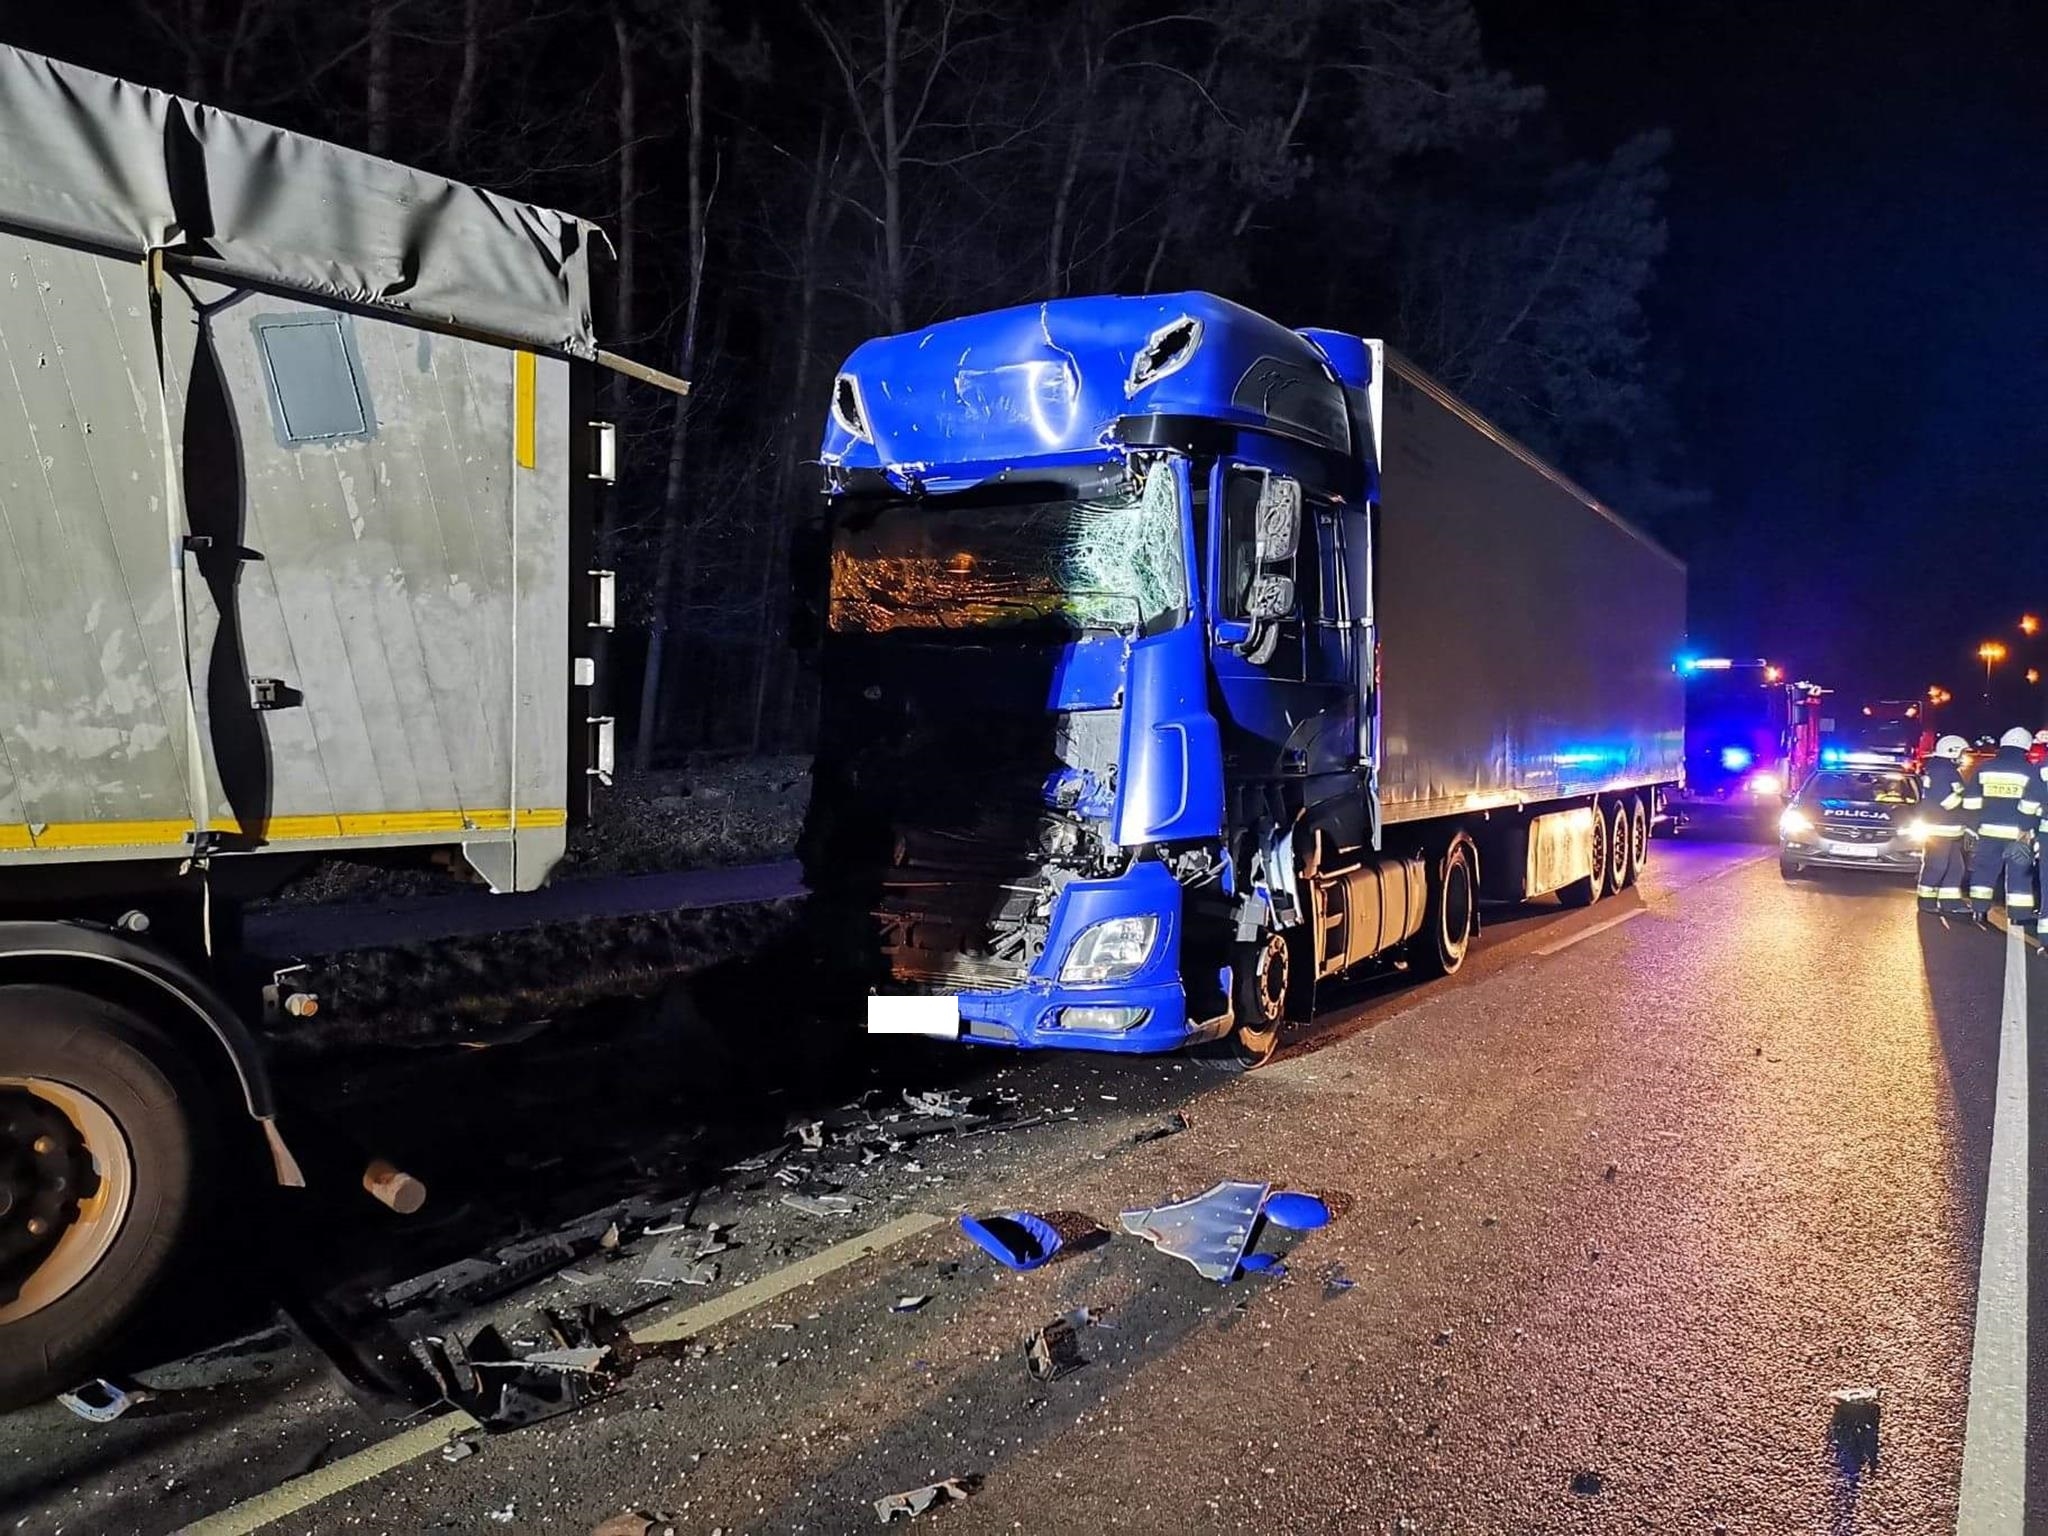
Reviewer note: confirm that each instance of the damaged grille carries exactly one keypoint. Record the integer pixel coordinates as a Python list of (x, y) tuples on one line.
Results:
[(967, 908), (950, 807)]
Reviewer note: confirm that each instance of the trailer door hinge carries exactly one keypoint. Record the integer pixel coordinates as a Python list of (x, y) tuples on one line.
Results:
[(603, 756), (604, 451), (604, 599)]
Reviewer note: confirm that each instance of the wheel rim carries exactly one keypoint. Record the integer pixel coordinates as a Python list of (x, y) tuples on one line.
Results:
[(1618, 846), (1270, 982), (65, 1168), (1599, 851), (1639, 837)]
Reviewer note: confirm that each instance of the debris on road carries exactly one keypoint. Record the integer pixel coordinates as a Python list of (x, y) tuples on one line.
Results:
[(459, 1448), (1854, 1426), (1295, 1211), (1017, 1239), (1587, 1483), (1210, 1231), (506, 1515), (586, 1358), (634, 1523), (953, 1490), (682, 1258), (1172, 1125), (1336, 1282), (100, 1401), (908, 1303), (1264, 1264), (505, 1388), (822, 1205), (1054, 1350)]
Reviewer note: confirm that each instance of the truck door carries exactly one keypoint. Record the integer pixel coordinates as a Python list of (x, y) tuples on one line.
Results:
[(1283, 632)]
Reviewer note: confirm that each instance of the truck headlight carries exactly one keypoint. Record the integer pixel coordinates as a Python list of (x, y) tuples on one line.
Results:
[(1111, 951), (1794, 823)]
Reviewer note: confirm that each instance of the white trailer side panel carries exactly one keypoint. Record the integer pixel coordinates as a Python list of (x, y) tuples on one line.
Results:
[(1527, 634)]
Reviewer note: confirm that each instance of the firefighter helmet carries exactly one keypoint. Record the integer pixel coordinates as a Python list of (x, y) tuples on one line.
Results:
[(1951, 747), (2019, 736)]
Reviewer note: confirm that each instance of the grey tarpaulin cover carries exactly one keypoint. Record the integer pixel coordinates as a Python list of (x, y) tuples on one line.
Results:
[(88, 158)]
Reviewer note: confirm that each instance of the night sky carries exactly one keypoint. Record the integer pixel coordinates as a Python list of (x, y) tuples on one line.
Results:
[(1857, 296)]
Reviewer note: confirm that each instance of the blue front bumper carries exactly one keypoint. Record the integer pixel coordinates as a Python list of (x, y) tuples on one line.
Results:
[(1029, 1016)]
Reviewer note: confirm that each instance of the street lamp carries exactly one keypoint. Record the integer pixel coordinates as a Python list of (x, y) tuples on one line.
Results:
[(2029, 625), (1991, 653)]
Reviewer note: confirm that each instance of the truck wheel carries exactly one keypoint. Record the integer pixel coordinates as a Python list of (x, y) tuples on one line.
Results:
[(1262, 981), (1638, 838), (1584, 892), (1453, 904), (1620, 849), (103, 1132)]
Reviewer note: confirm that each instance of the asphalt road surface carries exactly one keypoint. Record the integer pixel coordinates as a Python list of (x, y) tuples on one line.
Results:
[(1618, 1210)]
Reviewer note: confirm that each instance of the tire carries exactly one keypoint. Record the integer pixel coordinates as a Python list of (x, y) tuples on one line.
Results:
[(1440, 949), (1590, 888), (1262, 985), (130, 1112), (1619, 847), (1791, 869), (1638, 839)]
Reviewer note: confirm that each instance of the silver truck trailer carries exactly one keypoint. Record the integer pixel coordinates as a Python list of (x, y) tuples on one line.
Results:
[(298, 473), (1529, 637)]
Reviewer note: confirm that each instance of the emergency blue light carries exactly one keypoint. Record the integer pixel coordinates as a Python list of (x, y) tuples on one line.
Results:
[(1735, 759), (1830, 756)]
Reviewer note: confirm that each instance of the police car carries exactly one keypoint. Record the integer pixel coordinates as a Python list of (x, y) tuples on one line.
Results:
[(1860, 813)]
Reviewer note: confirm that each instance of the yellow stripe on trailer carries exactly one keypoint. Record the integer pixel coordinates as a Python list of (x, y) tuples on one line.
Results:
[(62, 836), (523, 380)]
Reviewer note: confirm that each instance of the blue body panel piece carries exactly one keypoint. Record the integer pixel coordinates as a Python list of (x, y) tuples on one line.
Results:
[(956, 404)]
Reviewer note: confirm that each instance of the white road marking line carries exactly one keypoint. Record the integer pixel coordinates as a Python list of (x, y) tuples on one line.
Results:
[(299, 1493), (1993, 1501), (1598, 928)]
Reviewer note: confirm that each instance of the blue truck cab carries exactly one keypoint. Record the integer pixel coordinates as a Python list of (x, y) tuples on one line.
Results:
[(1100, 743)]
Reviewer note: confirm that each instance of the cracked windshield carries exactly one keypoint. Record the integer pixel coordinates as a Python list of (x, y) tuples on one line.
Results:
[(1111, 561)]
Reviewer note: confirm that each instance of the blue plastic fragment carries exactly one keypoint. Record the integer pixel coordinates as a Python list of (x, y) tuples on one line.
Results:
[(1013, 1238), (1263, 1264), (1298, 1212)]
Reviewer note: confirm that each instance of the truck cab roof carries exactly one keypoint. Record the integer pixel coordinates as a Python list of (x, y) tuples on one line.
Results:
[(955, 403)]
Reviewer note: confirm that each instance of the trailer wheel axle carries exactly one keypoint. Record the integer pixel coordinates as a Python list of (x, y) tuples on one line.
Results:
[(65, 1181)]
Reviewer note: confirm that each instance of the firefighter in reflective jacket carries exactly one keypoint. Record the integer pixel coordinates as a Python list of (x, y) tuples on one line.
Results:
[(1941, 812), (2004, 803)]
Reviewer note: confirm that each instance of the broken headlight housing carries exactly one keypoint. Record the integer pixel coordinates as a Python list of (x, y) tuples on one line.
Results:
[(1114, 950)]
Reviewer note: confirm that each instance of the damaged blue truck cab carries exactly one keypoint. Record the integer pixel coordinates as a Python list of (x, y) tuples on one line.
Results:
[(1100, 751)]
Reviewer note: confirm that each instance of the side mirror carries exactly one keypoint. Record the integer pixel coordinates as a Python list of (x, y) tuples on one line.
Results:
[(1278, 520), (1271, 597)]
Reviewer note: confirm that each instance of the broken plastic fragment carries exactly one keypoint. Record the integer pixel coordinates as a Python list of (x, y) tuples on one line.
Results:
[(914, 1503), (1015, 1238), (1211, 1231), (1053, 1350), (99, 1401), (1263, 1264), (821, 1205), (1297, 1212), (908, 1303)]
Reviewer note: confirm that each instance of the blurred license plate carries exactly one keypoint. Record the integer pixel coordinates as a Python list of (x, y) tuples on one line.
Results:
[(1857, 850), (935, 1016)]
